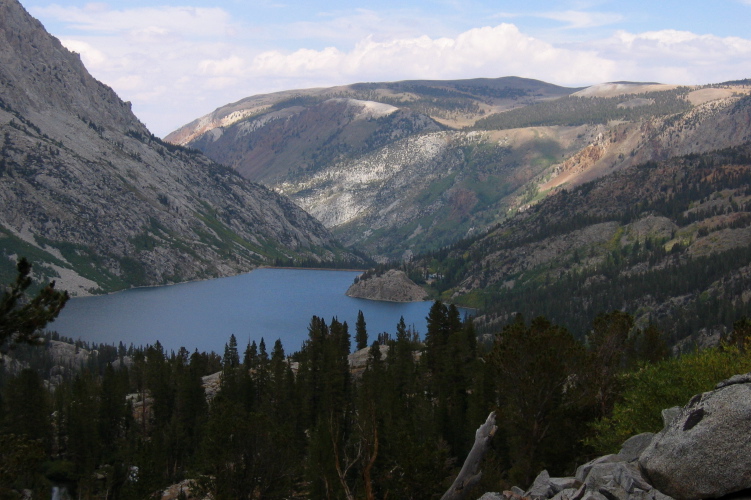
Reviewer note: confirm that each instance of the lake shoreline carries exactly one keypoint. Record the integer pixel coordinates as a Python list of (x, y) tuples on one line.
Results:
[(270, 303), (199, 280)]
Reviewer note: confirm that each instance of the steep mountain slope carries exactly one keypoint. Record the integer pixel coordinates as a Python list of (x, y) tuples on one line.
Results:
[(351, 155), (428, 190), (99, 203), (668, 241), (294, 141), (386, 174)]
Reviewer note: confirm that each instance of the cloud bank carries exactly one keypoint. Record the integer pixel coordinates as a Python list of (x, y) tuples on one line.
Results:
[(185, 61)]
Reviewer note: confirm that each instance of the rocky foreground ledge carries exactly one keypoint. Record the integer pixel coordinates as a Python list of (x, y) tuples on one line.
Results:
[(392, 286), (704, 451)]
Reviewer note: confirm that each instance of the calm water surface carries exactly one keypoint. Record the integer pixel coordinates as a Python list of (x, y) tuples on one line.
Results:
[(268, 303)]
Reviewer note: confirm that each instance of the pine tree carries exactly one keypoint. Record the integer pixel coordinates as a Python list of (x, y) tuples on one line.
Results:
[(231, 356), (401, 329), (361, 332), (539, 376), (251, 356), (29, 407), (21, 321)]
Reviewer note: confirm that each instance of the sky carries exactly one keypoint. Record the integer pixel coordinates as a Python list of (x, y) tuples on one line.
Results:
[(177, 60)]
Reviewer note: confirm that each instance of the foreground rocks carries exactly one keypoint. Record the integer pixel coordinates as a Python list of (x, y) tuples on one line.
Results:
[(703, 451), (393, 286)]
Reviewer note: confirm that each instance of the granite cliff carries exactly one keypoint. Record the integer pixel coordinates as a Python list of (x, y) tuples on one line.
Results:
[(98, 203)]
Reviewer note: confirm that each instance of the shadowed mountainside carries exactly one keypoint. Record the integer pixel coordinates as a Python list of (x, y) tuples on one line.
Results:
[(98, 203)]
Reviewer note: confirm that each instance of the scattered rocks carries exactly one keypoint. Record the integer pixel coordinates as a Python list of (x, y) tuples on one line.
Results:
[(610, 477), (186, 488)]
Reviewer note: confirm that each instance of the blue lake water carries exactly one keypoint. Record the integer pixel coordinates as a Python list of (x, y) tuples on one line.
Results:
[(269, 303)]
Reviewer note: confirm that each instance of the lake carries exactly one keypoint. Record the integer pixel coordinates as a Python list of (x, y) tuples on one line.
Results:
[(266, 303)]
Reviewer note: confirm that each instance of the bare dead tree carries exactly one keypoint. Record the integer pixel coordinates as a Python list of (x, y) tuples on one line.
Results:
[(470, 473), (349, 462)]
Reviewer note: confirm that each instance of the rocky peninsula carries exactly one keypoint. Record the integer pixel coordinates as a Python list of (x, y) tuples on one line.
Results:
[(392, 286)]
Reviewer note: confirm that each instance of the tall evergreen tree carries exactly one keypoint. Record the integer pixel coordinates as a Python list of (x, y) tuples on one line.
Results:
[(21, 321), (361, 332), (29, 407), (540, 370), (231, 356)]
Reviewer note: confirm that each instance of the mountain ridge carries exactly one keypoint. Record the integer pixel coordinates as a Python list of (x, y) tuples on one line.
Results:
[(360, 178), (100, 204)]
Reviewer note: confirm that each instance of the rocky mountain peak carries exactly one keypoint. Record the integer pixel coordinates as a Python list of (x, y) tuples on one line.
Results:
[(39, 75)]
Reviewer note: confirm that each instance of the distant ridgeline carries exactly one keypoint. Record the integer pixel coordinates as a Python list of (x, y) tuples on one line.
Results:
[(576, 110), (483, 149)]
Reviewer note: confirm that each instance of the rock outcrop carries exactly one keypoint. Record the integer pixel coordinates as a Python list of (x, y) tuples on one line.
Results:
[(393, 286), (705, 452)]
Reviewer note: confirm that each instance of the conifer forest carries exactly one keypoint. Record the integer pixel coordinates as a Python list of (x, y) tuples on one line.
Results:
[(310, 424)]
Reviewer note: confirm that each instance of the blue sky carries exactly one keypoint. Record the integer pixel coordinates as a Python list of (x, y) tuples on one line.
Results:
[(178, 60)]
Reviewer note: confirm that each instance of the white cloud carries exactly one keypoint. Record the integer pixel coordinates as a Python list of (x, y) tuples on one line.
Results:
[(679, 56), (580, 19), (491, 51), (99, 18), (183, 62), (92, 57), (232, 65)]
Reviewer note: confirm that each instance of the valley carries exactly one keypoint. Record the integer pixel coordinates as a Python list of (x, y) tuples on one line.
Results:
[(598, 236)]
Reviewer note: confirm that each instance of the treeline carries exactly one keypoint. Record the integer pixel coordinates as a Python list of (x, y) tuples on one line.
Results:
[(310, 426), (574, 110)]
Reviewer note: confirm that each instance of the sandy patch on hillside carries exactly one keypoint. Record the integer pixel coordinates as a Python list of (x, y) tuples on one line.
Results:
[(705, 95), (616, 89), (74, 283)]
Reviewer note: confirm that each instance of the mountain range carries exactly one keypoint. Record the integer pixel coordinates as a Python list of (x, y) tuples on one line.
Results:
[(99, 203), (517, 196), (510, 195), (398, 169)]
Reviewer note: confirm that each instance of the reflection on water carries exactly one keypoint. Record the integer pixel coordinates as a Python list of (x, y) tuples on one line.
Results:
[(268, 303)]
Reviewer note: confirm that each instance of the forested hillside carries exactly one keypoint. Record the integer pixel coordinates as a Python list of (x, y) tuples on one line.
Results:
[(666, 241)]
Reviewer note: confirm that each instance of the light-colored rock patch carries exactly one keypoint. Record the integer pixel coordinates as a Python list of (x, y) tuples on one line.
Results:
[(393, 286)]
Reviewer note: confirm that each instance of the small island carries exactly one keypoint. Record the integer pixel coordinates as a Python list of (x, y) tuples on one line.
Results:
[(392, 286)]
